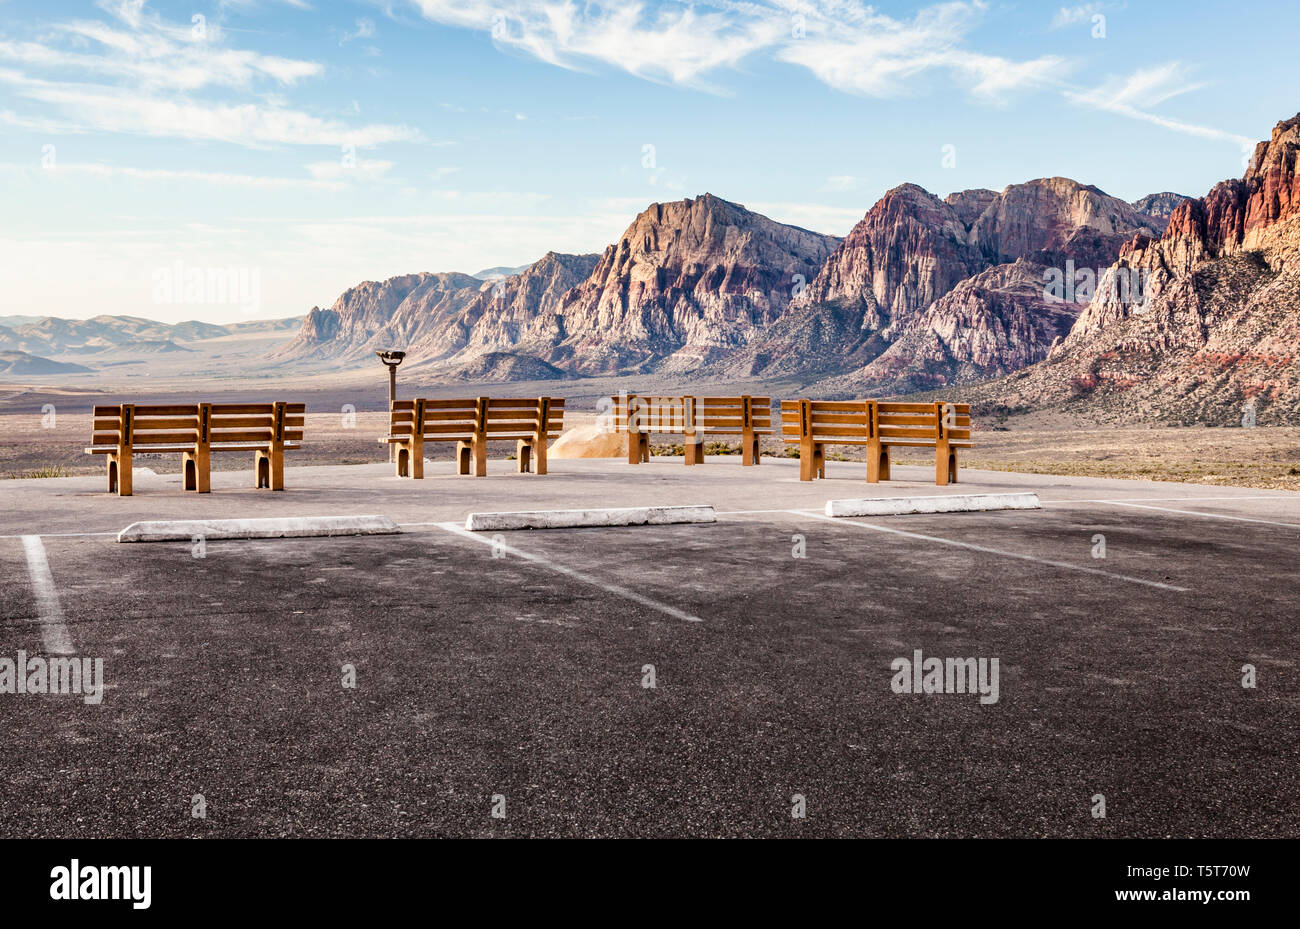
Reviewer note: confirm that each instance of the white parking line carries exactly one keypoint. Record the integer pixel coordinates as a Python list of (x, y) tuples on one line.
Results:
[(615, 589), (54, 631), (991, 551), (1241, 519)]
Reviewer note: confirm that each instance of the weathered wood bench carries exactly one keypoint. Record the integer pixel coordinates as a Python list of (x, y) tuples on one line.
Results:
[(878, 426), (195, 431), (693, 418), (471, 424)]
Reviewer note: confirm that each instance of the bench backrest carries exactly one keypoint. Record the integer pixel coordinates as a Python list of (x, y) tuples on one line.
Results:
[(143, 426), (524, 418), (859, 422), (922, 422), (687, 415), (734, 414), (494, 419), (251, 422)]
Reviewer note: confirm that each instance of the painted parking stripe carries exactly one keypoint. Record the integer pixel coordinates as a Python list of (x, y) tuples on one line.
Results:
[(992, 551), (1240, 519), (54, 631), (615, 589)]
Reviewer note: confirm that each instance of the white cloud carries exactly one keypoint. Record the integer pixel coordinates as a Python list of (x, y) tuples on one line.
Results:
[(135, 75), (99, 170), (840, 182), (1134, 95), (844, 43), (363, 169), (365, 30), (105, 109), (679, 45), (1075, 15), (856, 49)]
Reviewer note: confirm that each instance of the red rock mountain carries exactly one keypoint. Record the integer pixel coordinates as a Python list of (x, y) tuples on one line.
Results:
[(688, 282), (927, 292), (1220, 325)]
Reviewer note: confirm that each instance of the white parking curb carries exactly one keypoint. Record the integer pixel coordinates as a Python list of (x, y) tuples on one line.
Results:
[(280, 527), (573, 519), (943, 503)]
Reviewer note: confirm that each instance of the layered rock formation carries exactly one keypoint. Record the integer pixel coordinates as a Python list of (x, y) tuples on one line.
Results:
[(926, 292), (688, 282), (1219, 324)]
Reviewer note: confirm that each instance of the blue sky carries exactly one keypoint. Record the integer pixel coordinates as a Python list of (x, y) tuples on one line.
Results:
[(320, 144)]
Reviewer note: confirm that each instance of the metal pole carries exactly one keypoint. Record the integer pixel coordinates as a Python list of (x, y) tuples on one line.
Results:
[(392, 398)]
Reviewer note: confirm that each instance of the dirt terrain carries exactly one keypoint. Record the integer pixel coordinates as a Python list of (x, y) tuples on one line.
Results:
[(1264, 457)]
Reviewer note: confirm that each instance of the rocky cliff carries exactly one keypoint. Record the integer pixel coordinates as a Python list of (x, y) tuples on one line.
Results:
[(926, 292), (1219, 323)]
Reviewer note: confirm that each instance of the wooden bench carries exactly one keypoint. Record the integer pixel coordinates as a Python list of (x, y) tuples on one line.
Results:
[(471, 424), (878, 426), (693, 418), (195, 431)]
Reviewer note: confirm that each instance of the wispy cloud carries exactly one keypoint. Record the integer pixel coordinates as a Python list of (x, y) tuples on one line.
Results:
[(105, 109), (359, 169), (856, 49), (1134, 95), (1075, 15), (137, 73), (99, 170), (846, 44)]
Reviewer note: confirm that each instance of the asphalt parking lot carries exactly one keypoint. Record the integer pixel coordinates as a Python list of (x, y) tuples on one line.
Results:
[(511, 674)]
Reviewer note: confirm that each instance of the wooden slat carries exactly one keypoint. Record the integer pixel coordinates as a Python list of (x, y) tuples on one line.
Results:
[(900, 419), (241, 409), (906, 407), (458, 416), (241, 422), (107, 411), (470, 405), (905, 433), (163, 438), (241, 435), (174, 410)]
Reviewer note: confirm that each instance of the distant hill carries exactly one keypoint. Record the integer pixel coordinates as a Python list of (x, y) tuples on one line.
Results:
[(21, 364), (488, 273)]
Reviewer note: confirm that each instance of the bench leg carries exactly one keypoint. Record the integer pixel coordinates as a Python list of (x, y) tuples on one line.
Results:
[(539, 456), (750, 454), (812, 461), (877, 463), (111, 469), (480, 459), (524, 455), (402, 458), (198, 471), (638, 447), (945, 464), (693, 450), (270, 469), (119, 474), (463, 452)]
